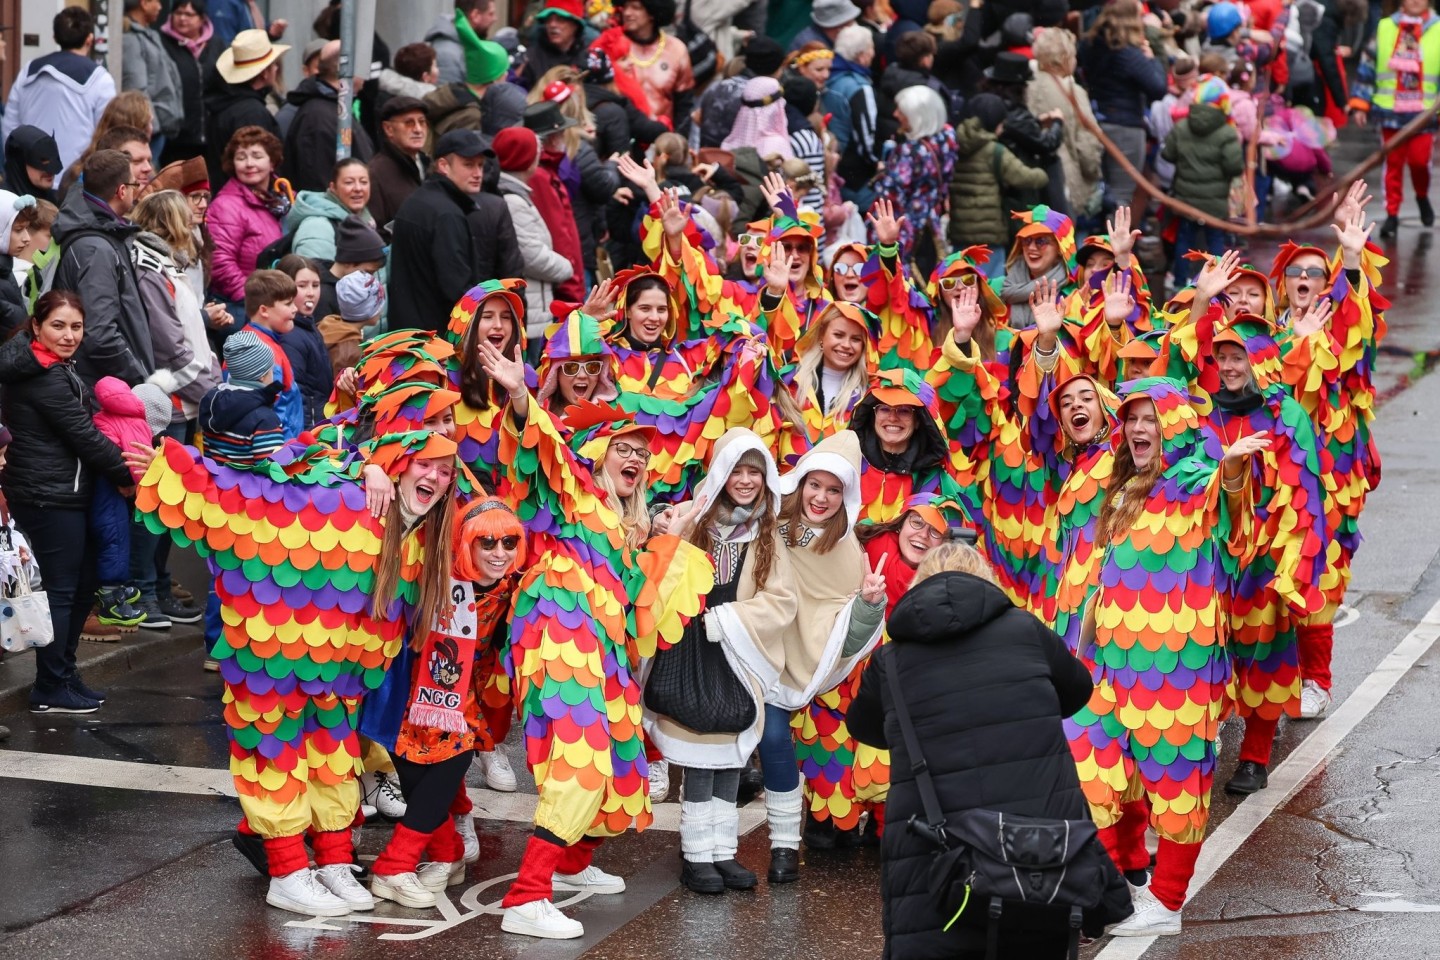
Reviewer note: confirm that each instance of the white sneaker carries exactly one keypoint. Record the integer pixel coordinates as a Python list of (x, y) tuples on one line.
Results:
[(437, 876), (1314, 700), (540, 918), (339, 879), (1150, 919), (367, 810), (592, 878), (301, 892), (465, 826), (498, 773), (404, 888), (659, 780), (382, 791)]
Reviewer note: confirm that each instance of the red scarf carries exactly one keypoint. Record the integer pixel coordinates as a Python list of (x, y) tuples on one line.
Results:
[(47, 357), (442, 675), (898, 573)]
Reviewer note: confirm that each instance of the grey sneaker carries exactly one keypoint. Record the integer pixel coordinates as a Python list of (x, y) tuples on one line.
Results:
[(155, 618)]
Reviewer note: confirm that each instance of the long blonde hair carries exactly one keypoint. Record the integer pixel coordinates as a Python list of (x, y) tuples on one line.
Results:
[(807, 370), (167, 215), (1117, 517), (574, 106), (633, 510), (434, 585), (952, 556)]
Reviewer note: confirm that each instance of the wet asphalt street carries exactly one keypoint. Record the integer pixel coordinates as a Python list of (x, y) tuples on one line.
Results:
[(114, 828)]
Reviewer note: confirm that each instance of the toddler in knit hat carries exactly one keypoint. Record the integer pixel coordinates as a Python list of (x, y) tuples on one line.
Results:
[(361, 296)]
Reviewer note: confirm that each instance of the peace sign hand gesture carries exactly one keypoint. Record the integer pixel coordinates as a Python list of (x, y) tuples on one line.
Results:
[(872, 589)]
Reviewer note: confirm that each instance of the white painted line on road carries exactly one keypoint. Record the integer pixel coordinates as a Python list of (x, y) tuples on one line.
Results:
[(202, 781), (1298, 769)]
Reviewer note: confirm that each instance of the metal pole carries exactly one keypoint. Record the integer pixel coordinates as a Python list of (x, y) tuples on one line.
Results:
[(343, 132)]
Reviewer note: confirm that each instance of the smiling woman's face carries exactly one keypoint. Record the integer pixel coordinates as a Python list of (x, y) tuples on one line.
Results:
[(1081, 416), (424, 483), (626, 459), (1142, 432)]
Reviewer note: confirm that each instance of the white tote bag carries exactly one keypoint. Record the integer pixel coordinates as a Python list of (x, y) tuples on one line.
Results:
[(24, 614)]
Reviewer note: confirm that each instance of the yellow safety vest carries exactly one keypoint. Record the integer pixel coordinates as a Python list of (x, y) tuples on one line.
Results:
[(1386, 37)]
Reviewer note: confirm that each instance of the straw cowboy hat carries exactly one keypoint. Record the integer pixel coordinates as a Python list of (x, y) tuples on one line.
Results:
[(248, 55)]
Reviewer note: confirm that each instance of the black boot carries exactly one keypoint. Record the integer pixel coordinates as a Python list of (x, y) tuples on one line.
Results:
[(735, 875), (252, 848), (851, 839), (871, 836), (752, 781), (1427, 212), (1390, 227), (819, 834), (702, 878), (784, 865), (1249, 777)]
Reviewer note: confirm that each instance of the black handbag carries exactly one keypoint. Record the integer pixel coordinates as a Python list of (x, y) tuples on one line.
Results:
[(704, 57), (693, 684), (996, 858)]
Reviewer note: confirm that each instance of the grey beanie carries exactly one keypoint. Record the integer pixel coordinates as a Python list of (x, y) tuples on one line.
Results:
[(246, 358), (159, 411)]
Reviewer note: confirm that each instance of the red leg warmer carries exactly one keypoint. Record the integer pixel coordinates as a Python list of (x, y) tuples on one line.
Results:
[(462, 802), (1174, 866), (578, 857), (537, 869), (402, 854), (286, 855), (1317, 645), (445, 845), (1125, 841), (334, 846), (244, 827), (1259, 739)]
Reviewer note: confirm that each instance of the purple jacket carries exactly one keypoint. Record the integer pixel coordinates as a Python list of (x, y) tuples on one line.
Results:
[(241, 225)]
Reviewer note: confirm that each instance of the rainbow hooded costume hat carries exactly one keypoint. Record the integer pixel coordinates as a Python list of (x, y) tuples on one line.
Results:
[(467, 308), (1042, 219), (578, 338), (970, 262)]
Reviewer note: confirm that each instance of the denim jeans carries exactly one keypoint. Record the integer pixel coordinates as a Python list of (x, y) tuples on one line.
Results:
[(1193, 235), (65, 553), (777, 751)]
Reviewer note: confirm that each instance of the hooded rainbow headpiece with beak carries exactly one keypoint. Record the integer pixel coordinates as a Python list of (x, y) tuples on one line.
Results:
[(1042, 219), (1179, 423), (406, 406), (1257, 336), (402, 355), (857, 315), (393, 452), (578, 338), (1289, 250), (467, 308), (971, 262), (1108, 403), (621, 323), (594, 425), (805, 226)]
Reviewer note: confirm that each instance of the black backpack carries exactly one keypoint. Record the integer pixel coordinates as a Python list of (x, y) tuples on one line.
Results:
[(272, 252)]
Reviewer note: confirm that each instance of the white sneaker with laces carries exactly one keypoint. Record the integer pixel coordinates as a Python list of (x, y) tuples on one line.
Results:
[(300, 892), (1314, 700), (540, 918), (592, 878), (1150, 919), (382, 790), (498, 774), (659, 780), (403, 888), (437, 876), (367, 810), (339, 879), (465, 826)]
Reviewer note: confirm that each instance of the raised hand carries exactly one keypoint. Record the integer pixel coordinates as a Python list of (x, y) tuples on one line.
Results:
[(1119, 297), (872, 589), (1245, 446), (508, 373), (1215, 277), (672, 217), (1354, 201), (1045, 307), (777, 270), (1315, 317), (1122, 237), (601, 303), (887, 226), (683, 522), (965, 314), (1353, 234), (774, 190), (642, 177)]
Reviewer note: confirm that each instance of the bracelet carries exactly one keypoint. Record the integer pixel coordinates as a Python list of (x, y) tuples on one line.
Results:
[(888, 249), (1226, 482)]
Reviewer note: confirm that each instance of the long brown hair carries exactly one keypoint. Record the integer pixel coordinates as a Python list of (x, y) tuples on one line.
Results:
[(434, 584), (1119, 24), (475, 386), (1117, 517), (792, 518), (765, 534)]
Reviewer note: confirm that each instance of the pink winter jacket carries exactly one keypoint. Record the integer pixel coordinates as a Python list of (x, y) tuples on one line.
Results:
[(240, 227), (122, 415)]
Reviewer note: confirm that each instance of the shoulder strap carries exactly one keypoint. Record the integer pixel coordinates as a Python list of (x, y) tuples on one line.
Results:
[(918, 766), (995, 164)]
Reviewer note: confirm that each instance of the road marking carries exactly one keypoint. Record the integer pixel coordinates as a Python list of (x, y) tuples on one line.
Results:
[(203, 781), (1298, 769)]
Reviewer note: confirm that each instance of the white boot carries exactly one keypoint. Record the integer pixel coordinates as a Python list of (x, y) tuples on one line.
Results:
[(697, 831), (301, 892), (465, 826), (785, 811)]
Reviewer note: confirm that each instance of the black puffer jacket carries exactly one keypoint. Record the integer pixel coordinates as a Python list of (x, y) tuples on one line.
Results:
[(56, 450), (987, 685), (228, 107), (310, 141)]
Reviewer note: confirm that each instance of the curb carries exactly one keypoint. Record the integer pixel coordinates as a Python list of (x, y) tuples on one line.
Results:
[(109, 661)]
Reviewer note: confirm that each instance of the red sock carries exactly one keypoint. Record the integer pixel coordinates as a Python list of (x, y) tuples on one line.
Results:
[(286, 855), (462, 802), (402, 854), (1259, 740), (1317, 645), (334, 846), (244, 827), (537, 869), (578, 856), (1174, 866), (445, 845)]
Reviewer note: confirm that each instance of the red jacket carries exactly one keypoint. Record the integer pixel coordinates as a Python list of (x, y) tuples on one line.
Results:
[(553, 201)]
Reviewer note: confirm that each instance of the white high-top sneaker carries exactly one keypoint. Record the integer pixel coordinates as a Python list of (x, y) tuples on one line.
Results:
[(1314, 700), (659, 780), (300, 892), (541, 918), (382, 791), (496, 769), (339, 879), (465, 826)]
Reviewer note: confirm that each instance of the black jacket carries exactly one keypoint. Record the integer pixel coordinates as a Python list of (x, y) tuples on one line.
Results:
[(618, 121), (16, 149), (13, 309), (497, 250), (97, 263), (987, 686), (432, 256), (310, 140), (192, 90), (310, 363), (228, 107), (56, 450)]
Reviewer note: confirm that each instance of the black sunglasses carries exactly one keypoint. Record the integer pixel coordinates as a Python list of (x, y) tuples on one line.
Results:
[(509, 543)]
